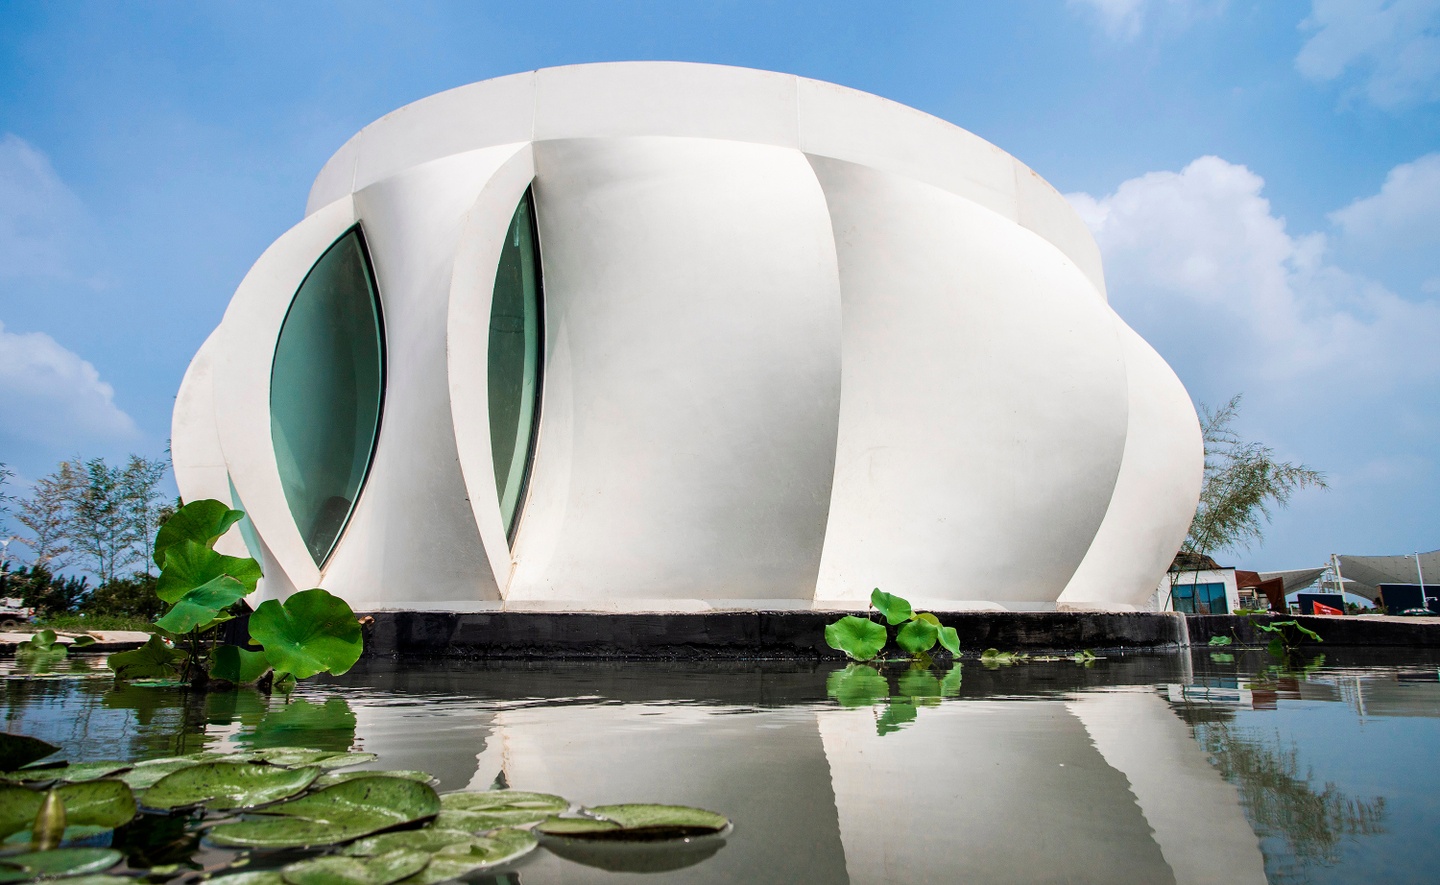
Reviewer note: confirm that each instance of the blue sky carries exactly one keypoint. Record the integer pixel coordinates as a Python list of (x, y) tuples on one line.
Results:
[(1263, 179)]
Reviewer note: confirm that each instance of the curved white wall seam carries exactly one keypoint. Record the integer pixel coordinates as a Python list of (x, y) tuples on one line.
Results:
[(799, 342)]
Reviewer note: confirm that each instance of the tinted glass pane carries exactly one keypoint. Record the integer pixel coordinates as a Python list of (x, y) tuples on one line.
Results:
[(325, 391), (514, 359), (247, 528)]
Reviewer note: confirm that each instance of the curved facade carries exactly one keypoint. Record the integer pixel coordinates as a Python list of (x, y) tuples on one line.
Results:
[(669, 336)]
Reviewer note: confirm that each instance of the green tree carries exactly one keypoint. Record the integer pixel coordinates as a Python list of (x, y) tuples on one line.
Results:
[(113, 512), (1243, 482), (46, 514)]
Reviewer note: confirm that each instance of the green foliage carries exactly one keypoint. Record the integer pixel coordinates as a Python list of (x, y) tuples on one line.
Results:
[(862, 685), (1286, 636), (335, 814), (311, 632), (1220, 640), (131, 600), (57, 862), (858, 685), (487, 810), (97, 803), (860, 638), (1243, 480), (153, 660), (229, 785), (629, 823), (202, 522), (863, 639), (336, 869)]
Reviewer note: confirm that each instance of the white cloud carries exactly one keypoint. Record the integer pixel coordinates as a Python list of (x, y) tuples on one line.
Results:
[(1337, 370), (1403, 217), (1393, 45), (39, 215), (49, 395), (1123, 20)]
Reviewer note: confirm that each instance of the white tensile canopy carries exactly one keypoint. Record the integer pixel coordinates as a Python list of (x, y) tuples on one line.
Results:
[(1364, 573)]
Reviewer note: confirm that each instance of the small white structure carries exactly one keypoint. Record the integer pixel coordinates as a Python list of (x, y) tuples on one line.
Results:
[(671, 336), (1206, 591)]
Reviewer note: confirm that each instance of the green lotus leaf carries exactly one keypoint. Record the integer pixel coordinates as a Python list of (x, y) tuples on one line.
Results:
[(153, 660), (918, 636), (228, 785), (145, 775), (311, 632), (40, 640), (475, 811), (190, 565), (42, 662), (1276, 647), (1222, 658), (895, 717), (202, 522), (255, 877), (335, 814), (98, 803), (68, 836), (860, 638), (89, 771), (637, 823), (338, 869), (326, 759), (63, 861), (235, 664), (895, 609), (928, 618), (858, 685), (950, 685), (329, 779), (1220, 640), (99, 879), (919, 685), (200, 609), (17, 750), (431, 839), (576, 826), (454, 861), (950, 639)]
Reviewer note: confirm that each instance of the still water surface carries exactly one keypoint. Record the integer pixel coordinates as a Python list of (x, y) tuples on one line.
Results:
[(1151, 769)]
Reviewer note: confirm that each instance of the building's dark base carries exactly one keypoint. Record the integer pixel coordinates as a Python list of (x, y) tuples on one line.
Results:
[(795, 635)]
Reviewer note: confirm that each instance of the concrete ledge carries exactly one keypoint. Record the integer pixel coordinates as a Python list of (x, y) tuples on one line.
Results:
[(734, 635), (1370, 631)]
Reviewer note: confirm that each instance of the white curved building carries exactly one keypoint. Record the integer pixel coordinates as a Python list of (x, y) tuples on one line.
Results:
[(648, 336)]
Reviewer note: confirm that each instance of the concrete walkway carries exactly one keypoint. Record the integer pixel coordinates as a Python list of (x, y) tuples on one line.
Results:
[(105, 640)]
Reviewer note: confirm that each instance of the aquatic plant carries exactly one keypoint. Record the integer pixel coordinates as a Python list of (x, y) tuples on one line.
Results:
[(863, 685), (1286, 636), (373, 827), (310, 632), (863, 639)]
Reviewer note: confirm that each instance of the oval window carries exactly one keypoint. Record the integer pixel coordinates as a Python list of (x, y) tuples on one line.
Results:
[(514, 360), (327, 385)]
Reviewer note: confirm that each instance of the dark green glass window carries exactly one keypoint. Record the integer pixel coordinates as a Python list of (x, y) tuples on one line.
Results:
[(326, 389), (514, 360)]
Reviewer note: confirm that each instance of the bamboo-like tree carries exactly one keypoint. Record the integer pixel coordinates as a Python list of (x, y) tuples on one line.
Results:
[(46, 513), (1243, 482)]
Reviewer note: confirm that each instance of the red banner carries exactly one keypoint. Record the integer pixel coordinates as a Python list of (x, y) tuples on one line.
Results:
[(1321, 608)]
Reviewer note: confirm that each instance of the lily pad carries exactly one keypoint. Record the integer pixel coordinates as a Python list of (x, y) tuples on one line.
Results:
[(917, 636), (860, 638), (190, 565), (339, 869), (895, 609), (311, 632), (202, 521), (228, 785), (430, 839), (88, 771), (256, 877), (330, 778), (82, 640), (481, 852), (235, 664), (335, 814), (99, 803), (153, 660), (637, 857), (293, 756), (858, 685), (499, 808), (17, 750), (63, 862), (144, 775), (637, 823)]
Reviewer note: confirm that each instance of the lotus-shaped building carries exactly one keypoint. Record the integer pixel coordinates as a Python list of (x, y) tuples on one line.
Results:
[(657, 336)]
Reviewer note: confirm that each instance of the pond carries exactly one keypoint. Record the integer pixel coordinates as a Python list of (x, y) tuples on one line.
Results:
[(1200, 767)]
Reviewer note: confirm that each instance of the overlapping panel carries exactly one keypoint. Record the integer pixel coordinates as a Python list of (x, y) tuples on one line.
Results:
[(692, 373), (984, 404)]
